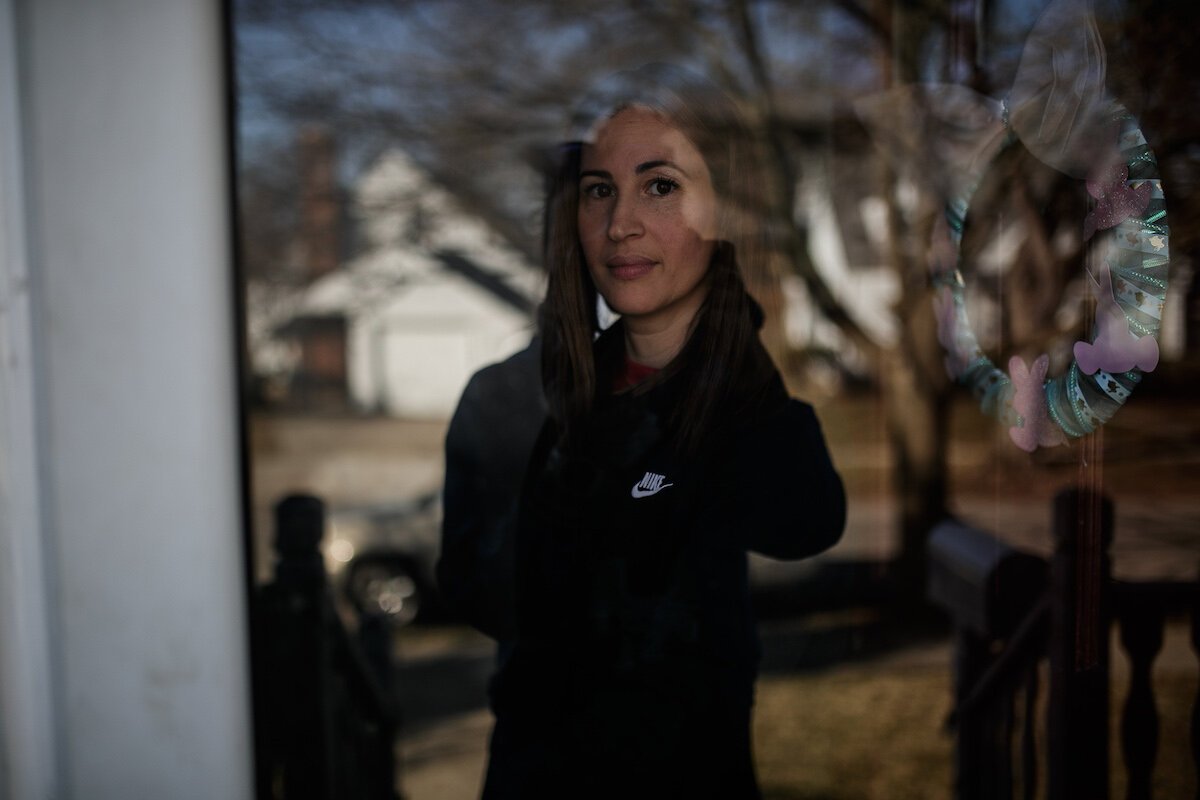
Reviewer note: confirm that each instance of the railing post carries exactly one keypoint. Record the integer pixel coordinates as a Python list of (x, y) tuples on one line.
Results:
[(299, 527), (1077, 715), (1029, 752), (973, 750), (1194, 612), (1142, 617), (293, 645)]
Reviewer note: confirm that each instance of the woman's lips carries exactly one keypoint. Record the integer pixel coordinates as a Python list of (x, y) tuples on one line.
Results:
[(628, 268)]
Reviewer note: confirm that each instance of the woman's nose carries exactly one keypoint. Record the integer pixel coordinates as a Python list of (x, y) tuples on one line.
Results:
[(625, 220)]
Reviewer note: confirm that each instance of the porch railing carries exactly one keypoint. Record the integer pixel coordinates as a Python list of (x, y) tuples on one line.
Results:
[(1012, 612)]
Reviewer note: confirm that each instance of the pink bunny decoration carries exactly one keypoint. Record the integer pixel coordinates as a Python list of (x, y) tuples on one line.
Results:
[(1115, 348), (1029, 401)]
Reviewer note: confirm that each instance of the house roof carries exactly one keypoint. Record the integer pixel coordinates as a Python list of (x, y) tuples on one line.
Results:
[(416, 232)]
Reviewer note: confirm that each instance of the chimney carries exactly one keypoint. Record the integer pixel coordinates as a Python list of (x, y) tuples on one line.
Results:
[(319, 203)]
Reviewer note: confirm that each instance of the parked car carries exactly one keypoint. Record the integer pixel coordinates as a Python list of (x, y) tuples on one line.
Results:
[(381, 557)]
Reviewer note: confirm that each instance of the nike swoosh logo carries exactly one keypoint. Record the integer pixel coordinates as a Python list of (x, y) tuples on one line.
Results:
[(651, 483)]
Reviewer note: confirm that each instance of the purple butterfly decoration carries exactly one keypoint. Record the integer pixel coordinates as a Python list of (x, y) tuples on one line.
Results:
[(1116, 200), (1115, 348), (1030, 402)]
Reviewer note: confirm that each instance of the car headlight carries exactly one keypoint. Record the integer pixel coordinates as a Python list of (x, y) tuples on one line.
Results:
[(341, 550), (341, 543)]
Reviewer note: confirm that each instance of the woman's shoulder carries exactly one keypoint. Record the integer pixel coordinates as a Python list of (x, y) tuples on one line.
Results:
[(760, 396), (779, 481), (779, 425)]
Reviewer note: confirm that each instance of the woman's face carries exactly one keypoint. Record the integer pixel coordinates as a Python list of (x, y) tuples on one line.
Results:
[(647, 219)]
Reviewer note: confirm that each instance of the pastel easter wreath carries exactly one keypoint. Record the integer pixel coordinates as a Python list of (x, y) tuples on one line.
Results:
[(1059, 110), (1129, 283)]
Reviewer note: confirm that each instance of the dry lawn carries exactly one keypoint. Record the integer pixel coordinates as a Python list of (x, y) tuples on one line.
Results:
[(856, 732), (875, 730)]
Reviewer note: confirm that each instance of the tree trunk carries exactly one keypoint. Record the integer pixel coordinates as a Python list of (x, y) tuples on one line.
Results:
[(915, 384), (917, 420)]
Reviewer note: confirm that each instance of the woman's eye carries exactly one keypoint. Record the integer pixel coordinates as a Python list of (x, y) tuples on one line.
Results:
[(598, 191), (661, 187)]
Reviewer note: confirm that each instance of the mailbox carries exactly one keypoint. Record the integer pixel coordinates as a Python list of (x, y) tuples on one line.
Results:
[(985, 585)]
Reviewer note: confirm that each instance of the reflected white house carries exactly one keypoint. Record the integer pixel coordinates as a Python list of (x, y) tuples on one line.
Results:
[(434, 295), (847, 244)]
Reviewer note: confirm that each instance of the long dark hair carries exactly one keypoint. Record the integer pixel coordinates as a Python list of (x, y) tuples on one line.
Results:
[(728, 320)]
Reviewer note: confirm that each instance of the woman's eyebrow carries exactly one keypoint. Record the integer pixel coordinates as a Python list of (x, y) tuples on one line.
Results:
[(645, 166), (661, 162)]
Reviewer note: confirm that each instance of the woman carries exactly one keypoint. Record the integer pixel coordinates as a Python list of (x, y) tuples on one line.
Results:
[(671, 449)]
